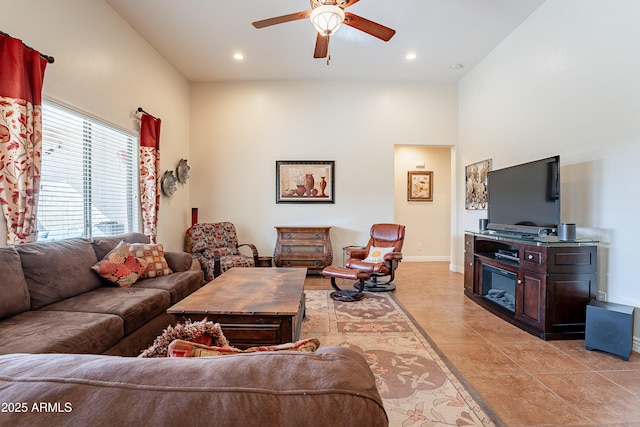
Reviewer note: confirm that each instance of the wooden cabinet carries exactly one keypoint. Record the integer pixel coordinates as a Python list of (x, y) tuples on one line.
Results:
[(308, 247), (547, 285)]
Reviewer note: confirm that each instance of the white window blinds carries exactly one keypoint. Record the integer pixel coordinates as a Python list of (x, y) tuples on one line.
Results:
[(89, 177)]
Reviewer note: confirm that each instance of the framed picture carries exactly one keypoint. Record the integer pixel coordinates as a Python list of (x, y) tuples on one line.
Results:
[(476, 185), (305, 181), (420, 186)]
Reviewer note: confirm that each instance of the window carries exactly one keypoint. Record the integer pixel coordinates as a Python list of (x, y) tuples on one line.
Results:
[(89, 176)]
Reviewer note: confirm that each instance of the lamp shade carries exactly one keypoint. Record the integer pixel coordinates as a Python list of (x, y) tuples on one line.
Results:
[(327, 19)]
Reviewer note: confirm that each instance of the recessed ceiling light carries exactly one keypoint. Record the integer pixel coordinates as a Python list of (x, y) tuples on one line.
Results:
[(238, 56), (411, 56), (457, 66)]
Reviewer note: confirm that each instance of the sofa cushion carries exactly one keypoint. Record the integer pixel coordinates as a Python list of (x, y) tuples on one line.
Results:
[(59, 332), (120, 266), (179, 285), (153, 254), (13, 288), (103, 245), (178, 261), (58, 270), (135, 306)]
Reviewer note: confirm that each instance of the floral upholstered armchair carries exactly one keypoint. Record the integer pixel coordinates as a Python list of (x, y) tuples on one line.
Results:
[(215, 246)]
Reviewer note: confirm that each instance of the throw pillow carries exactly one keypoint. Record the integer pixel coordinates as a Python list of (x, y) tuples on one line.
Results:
[(181, 348), (203, 332), (377, 254), (153, 254), (120, 266)]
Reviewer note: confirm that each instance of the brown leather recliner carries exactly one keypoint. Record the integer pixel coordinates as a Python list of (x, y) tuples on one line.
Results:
[(380, 257)]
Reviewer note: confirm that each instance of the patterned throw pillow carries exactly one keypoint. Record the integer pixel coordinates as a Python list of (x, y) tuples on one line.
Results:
[(202, 331), (181, 348), (120, 266), (377, 254), (153, 254)]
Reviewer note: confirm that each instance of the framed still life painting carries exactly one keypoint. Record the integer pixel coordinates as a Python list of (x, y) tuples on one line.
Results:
[(305, 181), (420, 186)]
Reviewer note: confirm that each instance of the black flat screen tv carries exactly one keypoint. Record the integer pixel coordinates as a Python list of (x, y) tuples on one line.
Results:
[(525, 199)]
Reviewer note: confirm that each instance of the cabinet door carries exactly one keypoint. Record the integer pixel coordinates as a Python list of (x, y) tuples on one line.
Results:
[(569, 295), (531, 298), (468, 272)]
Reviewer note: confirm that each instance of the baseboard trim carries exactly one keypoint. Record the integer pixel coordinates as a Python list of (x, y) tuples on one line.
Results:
[(425, 258), (636, 344)]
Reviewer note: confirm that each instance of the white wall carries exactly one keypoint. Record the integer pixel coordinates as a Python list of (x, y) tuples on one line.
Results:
[(428, 233), (239, 130), (106, 69), (567, 82)]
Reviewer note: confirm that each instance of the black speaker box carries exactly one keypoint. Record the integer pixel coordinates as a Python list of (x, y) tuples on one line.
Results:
[(609, 328)]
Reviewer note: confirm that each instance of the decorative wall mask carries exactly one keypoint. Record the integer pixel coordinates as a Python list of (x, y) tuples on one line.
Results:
[(169, 183), (182, 171)]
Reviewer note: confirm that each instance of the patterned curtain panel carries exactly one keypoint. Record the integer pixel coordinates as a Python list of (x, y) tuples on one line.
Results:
[(149, 174), (21, 79)]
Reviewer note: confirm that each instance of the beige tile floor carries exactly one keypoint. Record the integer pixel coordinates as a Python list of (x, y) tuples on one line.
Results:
[(525, 381)]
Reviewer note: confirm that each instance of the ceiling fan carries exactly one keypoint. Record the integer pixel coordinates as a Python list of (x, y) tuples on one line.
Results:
[(327, 16)]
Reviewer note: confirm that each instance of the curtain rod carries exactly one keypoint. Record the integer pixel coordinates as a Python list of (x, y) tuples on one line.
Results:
[(140, 110), (50, 59)]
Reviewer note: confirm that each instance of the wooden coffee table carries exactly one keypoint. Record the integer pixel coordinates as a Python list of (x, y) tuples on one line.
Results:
[(254, 306)]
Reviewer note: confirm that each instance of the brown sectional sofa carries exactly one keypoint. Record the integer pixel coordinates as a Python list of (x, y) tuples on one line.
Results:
[(331, 387), (52, 302)]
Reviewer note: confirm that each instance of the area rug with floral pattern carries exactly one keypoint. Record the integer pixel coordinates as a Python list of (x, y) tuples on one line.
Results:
[(418, 385)]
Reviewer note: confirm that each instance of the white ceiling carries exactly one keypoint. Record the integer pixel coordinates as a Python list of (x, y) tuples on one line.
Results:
[(199, 37)]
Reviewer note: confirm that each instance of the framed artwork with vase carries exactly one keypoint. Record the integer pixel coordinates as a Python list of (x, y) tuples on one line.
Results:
[(300, 181)]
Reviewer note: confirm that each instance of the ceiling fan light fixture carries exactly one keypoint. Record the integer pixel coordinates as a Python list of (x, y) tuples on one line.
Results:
[(327, 19)]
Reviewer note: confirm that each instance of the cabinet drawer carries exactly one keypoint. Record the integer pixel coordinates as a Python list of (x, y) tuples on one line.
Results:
[(309, 263), (302, 249), (303, 235), (534, 259)]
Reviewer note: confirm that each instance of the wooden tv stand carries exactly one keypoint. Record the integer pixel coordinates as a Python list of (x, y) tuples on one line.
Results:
[(553, 281)]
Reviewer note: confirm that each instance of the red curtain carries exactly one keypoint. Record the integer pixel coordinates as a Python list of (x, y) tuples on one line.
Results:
[(21, 80), (149, 174)]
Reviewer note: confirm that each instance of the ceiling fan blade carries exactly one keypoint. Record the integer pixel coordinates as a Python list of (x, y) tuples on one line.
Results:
[(282, 19), (348, 3), (322, 46), (369, 27)]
